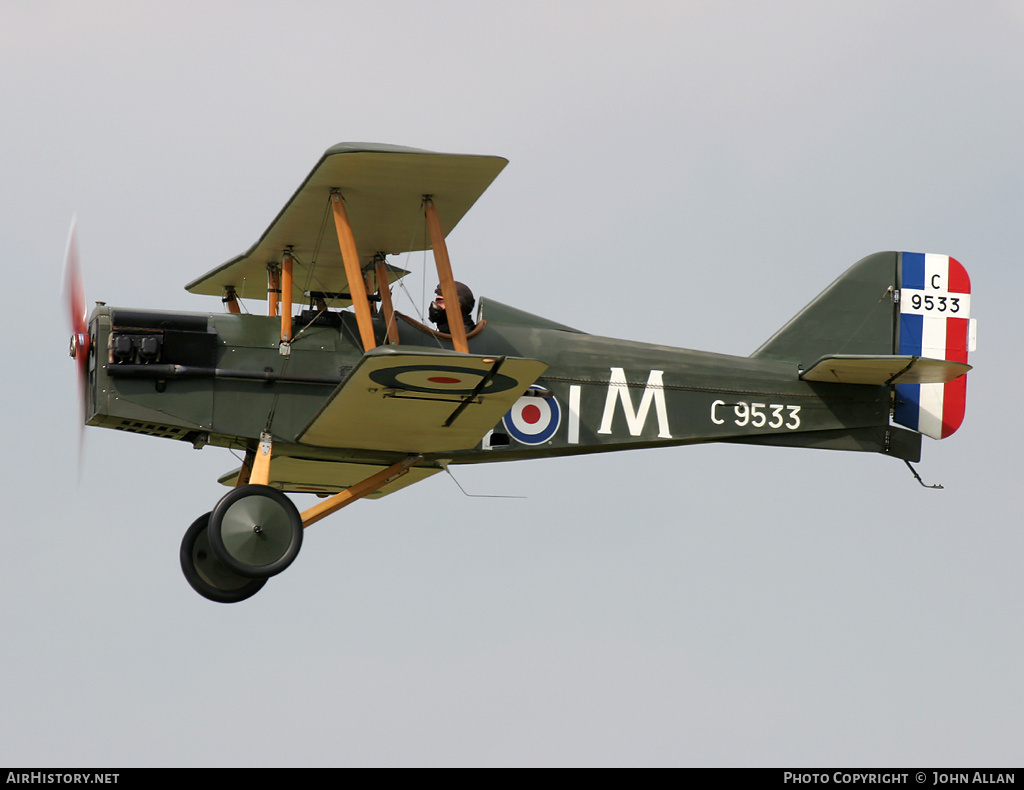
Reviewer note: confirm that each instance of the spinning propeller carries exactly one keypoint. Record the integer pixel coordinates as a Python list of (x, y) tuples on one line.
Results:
[(74, 293)]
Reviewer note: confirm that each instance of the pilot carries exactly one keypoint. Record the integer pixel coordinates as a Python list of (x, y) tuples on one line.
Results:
[(439, 315)]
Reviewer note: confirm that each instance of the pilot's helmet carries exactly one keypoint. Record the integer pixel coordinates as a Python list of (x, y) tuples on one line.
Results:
[(466, 298)]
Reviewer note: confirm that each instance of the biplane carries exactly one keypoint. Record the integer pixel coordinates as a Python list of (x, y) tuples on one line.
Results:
[(332, 391)]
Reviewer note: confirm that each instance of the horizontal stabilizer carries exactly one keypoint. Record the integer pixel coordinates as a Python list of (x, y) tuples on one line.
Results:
[(883, 370), (418, 401)]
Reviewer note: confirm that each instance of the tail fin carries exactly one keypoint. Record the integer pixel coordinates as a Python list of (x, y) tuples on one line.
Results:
[(892, 305), (854, 315)]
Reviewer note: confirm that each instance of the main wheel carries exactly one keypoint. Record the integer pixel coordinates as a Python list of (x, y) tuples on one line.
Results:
[(256, 531), (209, 576)]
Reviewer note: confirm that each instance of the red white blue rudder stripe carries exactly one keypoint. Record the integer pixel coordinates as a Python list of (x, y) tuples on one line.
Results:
[(934, 322)]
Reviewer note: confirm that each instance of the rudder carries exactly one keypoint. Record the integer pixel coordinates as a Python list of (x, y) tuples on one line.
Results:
[(934, 322)]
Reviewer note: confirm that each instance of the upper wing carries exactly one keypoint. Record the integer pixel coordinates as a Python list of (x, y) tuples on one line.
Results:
[(383, 188), (420, 401)]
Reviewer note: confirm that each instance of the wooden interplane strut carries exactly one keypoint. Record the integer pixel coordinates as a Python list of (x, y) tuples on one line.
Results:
[(385, 300), (273, 289), (286, 298), (353, 271)]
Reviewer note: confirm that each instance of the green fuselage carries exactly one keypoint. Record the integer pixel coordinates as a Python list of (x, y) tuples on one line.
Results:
[(221, 379)]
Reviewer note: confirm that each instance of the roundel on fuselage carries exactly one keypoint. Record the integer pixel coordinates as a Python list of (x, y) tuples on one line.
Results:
[(533, 420)]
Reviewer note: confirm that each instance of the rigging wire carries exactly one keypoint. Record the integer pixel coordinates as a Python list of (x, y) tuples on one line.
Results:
[(318, 245), (479, 496), (423, 281)]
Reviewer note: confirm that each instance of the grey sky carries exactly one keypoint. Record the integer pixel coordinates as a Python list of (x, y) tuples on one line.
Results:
[(688, 173)]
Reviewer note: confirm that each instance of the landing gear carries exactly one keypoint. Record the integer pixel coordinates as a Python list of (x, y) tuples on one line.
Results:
[(208, 576), (255, 531)]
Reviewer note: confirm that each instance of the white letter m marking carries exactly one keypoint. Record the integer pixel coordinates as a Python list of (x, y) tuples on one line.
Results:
[(619, 390)]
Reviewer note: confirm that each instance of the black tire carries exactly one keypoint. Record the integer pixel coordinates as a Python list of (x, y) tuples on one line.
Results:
[(256, 531), (207, 575)]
